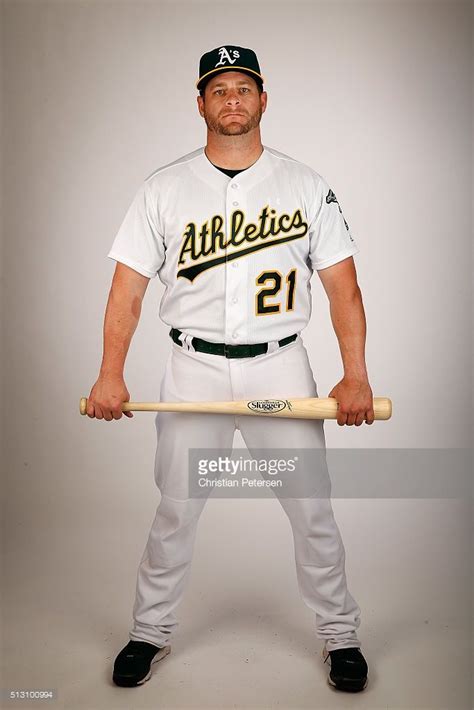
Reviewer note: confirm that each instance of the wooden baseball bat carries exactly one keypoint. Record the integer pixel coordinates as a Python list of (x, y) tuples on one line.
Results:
[(299, 408)]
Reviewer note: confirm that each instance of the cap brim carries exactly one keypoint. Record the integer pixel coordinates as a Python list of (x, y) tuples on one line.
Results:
[(203, 80)]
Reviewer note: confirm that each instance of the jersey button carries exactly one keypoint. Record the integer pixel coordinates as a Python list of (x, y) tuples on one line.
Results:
[(234, 185), (235, 335), (234, 300), (235, 264), (235, 204)]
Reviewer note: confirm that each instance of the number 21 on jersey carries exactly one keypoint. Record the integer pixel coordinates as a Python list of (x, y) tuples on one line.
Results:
[(275, 279)]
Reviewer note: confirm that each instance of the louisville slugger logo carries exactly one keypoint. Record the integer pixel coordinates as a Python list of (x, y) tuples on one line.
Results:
[(331, 197), (268, 406), (211, 240)]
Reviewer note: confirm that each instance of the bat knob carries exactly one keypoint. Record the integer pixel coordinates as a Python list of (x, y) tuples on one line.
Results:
[(382, 407), (83, 405)]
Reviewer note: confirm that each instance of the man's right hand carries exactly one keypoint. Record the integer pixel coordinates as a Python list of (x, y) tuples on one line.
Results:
[(106, 398)]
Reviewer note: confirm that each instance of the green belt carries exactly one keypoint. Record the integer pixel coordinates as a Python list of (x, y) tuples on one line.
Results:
[(204, 346)]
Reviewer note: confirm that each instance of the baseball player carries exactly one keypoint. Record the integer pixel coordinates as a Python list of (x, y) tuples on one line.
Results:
[(235, 231)]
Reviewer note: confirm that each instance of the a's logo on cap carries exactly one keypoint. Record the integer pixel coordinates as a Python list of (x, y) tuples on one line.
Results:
[(224, 57)]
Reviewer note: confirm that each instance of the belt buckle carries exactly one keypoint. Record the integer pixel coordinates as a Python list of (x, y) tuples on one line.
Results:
[(232, 351), (228, 350)]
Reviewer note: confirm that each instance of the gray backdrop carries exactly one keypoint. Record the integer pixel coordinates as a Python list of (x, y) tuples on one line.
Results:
[(376, 97)]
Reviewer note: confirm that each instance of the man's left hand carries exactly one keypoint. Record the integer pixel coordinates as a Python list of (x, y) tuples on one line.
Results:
[(355, 400)]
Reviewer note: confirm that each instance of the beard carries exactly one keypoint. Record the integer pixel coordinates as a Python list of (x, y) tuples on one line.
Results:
[(233, 128)]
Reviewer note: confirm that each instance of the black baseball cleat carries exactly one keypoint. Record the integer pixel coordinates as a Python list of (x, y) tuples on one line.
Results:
[(133, 665), (349, 670)]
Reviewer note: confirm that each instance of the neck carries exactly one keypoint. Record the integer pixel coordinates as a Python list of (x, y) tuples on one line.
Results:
[(234, 152)]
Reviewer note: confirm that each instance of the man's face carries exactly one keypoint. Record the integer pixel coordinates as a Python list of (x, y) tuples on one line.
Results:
[(228, 93)]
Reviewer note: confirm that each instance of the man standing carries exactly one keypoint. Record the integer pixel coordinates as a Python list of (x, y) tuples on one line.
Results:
[(235, 231)]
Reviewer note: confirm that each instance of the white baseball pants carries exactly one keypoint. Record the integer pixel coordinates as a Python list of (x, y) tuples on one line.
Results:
[(319, 550)]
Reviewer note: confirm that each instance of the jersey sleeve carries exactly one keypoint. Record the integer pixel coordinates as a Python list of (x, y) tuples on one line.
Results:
[(329, 235), (139, 242)]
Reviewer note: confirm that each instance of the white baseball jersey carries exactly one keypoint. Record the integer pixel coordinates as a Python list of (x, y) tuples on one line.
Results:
[(236, 255)]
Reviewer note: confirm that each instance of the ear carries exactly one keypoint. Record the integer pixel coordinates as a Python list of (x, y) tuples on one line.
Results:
[(200, 103)]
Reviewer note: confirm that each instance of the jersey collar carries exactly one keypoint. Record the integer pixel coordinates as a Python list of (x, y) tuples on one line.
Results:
[(246, 178)]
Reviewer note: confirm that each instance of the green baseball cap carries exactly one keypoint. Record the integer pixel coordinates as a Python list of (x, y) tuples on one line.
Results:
[(228, 58)]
